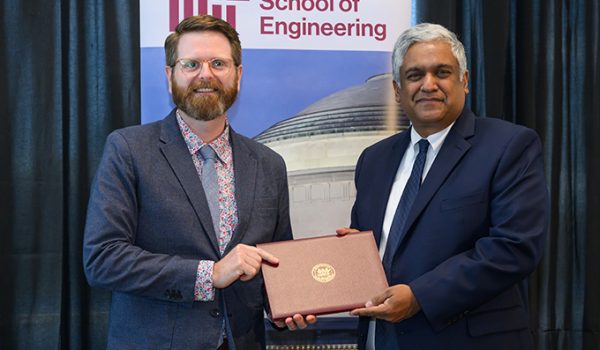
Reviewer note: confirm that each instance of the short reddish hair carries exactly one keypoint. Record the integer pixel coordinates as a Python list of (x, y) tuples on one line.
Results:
[(201, 24)]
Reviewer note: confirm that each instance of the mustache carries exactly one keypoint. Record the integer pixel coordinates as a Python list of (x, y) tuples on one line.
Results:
[(420, 97), (206, 84)]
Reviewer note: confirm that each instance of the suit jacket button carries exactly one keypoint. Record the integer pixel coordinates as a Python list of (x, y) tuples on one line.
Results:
[(215, 313)]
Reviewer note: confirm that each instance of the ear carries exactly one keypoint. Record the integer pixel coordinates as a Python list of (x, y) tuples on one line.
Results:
[(466, 82), (239, 76), (397, 89), (169, 72)]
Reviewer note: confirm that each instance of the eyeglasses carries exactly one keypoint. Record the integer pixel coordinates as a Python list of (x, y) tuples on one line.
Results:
[(218, 66)]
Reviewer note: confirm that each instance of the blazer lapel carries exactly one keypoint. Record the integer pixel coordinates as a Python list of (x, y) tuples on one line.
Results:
[(177, 155), (454, 148), (245, 170)]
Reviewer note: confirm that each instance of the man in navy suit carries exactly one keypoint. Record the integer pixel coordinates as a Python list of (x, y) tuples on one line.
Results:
[(458, 242), (177, 207)]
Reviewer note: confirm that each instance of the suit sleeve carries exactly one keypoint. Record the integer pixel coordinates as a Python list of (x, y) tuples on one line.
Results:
[(504, 256), (110, 257)]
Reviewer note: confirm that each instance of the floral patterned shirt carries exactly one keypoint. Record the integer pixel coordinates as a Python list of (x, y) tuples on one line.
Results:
[(228, 219)]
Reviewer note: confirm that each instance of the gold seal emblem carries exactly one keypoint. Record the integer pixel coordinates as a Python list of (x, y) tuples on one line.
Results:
[(323, 273)]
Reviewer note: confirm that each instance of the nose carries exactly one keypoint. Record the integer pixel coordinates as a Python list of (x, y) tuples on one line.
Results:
[(205, 72), (429, 83)]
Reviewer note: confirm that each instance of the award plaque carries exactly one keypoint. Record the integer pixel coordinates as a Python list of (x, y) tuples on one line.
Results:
[(322, 275)]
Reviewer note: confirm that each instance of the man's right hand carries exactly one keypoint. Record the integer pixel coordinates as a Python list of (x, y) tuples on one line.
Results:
[(241, 262)]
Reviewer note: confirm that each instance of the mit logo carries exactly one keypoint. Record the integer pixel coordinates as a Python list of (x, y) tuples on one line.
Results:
[(201, 9)]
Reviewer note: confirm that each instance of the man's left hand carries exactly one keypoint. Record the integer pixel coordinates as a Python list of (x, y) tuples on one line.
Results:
[(297, 322), (395, 304)]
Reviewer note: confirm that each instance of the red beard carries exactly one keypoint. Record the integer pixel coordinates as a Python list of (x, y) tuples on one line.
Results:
[(204, 107)]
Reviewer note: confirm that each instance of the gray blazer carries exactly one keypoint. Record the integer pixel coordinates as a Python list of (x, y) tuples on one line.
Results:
[(148, 224)]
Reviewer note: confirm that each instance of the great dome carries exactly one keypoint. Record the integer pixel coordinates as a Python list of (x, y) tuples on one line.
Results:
[(368, 107)]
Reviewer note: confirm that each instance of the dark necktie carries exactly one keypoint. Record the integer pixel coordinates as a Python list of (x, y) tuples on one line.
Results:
[(406, 201), (210, 184), (385, 334)]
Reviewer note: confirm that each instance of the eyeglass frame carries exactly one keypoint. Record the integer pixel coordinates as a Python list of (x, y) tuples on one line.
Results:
[(201, 62)]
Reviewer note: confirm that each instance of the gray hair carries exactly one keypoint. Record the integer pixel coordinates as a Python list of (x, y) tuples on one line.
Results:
[(425, 32)]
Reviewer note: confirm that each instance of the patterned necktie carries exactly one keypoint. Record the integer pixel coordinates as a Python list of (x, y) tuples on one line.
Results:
[(406, 201), (210, 183)]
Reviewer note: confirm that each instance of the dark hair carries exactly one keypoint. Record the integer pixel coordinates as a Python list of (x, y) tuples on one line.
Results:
[(201, 24)]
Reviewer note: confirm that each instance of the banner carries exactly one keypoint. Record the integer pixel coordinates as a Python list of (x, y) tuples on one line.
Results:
[(313, 87), (363, 25), (294, 51)]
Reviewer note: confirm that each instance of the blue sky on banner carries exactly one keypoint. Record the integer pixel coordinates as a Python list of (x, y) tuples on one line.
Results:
[(295, 52)]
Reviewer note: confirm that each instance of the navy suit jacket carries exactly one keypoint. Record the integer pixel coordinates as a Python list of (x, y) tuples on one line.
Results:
[(149, 224), (475, 232)]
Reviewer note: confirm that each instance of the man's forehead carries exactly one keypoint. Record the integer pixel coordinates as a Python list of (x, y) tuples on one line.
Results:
[(429, 54), (422, 66), (204, 40)]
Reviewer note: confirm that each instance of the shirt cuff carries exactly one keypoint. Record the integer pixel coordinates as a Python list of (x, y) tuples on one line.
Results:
[(203, 289)]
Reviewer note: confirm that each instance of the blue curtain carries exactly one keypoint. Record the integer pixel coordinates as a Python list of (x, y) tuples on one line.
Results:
[(70, 75)]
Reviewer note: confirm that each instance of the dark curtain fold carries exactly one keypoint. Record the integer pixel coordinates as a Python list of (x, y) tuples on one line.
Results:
[(70, 75), (537, 63)]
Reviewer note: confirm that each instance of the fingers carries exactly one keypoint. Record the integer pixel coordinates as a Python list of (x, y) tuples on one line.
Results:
[(295, 322), (378, 311), (395, 304), (256, 254), (267, 256), (299, 322), (342, 231), (248, 269), (375, 307), (311, 319), (380, 298), (290, 324), (243, 262), (248, 261)]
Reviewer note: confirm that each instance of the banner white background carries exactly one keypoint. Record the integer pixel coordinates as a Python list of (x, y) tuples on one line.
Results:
[(286, 67), (364, 25)]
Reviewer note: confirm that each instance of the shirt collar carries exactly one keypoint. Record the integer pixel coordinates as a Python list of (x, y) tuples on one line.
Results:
[(221, 144), (435, 140)]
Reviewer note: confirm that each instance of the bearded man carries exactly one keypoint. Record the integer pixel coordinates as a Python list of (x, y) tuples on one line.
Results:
[(177, 207)]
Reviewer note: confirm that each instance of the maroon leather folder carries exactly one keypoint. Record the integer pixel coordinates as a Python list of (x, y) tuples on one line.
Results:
[(322, 275)]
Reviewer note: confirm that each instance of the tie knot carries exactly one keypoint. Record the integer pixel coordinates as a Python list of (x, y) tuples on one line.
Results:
[(423, 146), (207, 152)]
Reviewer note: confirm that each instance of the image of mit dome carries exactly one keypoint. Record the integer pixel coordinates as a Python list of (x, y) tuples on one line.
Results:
[(321, 145)]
